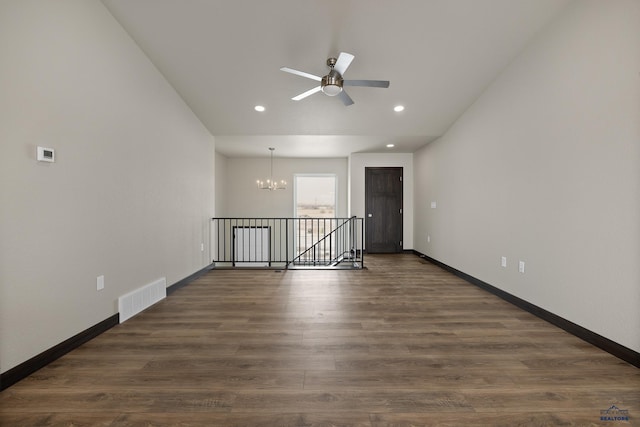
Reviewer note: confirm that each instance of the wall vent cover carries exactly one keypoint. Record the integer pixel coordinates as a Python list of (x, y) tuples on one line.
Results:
[(142, 298)]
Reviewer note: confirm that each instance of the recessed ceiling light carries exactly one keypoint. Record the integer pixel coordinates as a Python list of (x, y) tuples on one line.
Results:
[(390, 145), (398, 108), (259, 108)]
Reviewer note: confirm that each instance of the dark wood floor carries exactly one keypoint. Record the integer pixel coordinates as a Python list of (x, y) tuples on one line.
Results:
[(402, 343)]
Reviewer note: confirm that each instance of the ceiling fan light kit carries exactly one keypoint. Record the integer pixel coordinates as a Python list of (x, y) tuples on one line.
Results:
[(332, 84)]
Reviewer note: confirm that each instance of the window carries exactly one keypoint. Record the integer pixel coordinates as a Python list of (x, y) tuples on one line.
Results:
[(315, 208), (315, 196)]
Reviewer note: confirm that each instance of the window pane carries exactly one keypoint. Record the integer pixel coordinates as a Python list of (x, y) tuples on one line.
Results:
[(315, 196), (316, 208)]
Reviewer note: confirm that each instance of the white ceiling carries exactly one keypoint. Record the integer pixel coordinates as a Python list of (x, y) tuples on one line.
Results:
[(224, 57)]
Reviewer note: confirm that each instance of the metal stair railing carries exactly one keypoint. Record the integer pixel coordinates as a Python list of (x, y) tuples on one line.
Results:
[(340, 244), (287, 242)]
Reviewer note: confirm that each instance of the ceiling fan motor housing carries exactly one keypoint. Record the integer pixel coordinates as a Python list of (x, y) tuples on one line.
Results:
[(332, 82)]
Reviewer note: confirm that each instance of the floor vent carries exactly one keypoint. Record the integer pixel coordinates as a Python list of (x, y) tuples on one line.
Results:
[(135, 301)]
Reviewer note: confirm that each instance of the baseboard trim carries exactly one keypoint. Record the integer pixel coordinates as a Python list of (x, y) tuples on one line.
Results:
[(27, 368), (612, 347), (184, 282), (23, 370)]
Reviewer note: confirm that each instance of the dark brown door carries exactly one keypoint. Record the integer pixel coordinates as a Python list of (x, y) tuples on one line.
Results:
[(383, 215)]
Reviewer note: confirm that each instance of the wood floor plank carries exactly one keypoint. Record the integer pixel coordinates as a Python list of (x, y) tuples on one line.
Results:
[(504, 419), (175, 379), (401, 343), (58, 419), (244, 420), (71, 400), (394, 379), (262, 363), (346, 402)]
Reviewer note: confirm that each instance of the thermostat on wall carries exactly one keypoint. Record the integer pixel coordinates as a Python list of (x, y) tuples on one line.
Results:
[(46, 154)]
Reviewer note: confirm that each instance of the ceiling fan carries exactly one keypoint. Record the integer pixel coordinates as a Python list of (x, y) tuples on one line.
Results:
[(332, 83)]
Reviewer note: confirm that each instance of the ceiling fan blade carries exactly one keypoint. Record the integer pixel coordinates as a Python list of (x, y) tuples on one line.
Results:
[(343, 62), (307, 93), (346, 99), (300, 73), (368, 83)]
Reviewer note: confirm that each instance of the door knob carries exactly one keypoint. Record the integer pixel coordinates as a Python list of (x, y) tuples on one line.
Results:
[(370, 215)]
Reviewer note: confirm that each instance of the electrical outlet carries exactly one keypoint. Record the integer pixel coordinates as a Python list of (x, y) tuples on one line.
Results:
[(201, 247), (433, 205), (521, 266), (428, 238), (503, 262), (100, 283)]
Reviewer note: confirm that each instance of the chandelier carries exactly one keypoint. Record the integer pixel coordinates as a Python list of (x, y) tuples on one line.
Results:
[(270, 184)]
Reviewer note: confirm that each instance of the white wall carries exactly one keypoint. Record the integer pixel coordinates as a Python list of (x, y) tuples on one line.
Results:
[(131, 192), (357, 164), (221, 185), (545, 168), (244, 199)]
